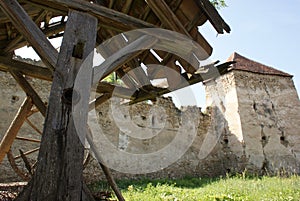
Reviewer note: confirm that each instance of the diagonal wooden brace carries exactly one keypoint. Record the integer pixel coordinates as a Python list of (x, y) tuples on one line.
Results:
[(25, 85), (14, 127)]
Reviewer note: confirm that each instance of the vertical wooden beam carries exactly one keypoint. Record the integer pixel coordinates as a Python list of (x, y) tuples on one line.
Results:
[(60, 158), (25, 85), (14, 127), (30, 31)]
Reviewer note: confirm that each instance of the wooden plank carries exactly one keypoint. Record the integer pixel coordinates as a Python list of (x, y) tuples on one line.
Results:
[(127, 6), (118, 44), (61, 148), (27, 88), (126, 79), (113, 90), (30, 31), (32, 12), (14, 128)]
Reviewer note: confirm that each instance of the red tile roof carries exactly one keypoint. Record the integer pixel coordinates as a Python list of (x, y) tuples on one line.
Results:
[(245, 64)]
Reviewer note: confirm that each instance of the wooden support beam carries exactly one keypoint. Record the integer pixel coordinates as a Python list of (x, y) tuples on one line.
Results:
[(19, 38), (213, 16), (27, 88), (126, 79), (166, 16), (122, 56), (213, 72), (133, 64), (30, 31), (61, 147), (107, 18), (170, 20), (14, 127), (98, 101), (105, 169), (122, 92), (127, 6), (20, 41), (7, 64)]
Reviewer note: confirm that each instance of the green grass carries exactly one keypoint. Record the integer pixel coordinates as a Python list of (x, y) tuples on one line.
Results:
[(225, 189)]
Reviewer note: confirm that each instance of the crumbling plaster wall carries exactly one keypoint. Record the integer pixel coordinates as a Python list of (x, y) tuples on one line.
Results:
[(263, 117), (270, 118)]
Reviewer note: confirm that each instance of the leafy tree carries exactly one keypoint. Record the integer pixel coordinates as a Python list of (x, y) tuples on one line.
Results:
[(219, 3)]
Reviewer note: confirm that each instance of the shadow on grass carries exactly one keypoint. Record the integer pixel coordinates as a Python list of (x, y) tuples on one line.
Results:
[(187, 182)]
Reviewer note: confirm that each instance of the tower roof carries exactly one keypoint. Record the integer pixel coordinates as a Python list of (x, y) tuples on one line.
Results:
[(245, 64)]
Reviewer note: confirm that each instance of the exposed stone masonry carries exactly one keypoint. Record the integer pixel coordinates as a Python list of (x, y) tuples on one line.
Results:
[(252, 123)]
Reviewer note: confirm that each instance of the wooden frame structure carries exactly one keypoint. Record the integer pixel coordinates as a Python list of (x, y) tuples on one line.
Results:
[(29, 22)]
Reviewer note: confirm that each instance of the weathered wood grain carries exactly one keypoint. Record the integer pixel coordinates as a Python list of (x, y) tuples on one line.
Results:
[(61, 153)]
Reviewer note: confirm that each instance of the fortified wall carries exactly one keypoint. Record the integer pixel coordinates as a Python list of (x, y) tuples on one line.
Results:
[(252, 123)]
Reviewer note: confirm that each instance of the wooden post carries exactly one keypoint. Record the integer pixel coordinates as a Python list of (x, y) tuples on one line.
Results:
[(60, 162), (14, 127)]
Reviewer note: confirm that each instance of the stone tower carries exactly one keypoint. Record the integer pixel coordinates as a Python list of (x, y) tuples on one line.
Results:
[(259, 116)]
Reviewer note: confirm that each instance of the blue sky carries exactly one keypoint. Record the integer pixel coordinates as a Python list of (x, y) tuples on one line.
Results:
[(262, 30), (265, 31)]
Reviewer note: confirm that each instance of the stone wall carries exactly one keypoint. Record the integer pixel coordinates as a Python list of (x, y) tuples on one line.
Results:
[(204, 157), (252, 123)]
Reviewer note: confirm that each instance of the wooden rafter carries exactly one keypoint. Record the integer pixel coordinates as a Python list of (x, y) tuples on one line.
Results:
[(213, 16), (43, 73), (7, 64), (30, 31), (108, 18), (20, 42), (19, 38), (170, 20), (133, 64), (122, 56)]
